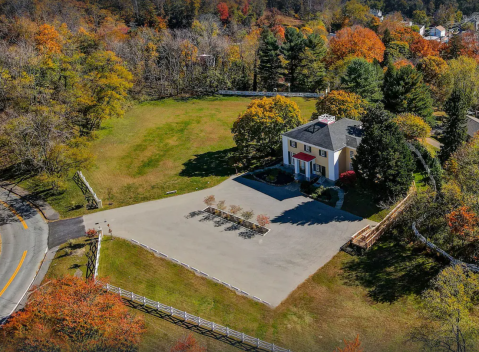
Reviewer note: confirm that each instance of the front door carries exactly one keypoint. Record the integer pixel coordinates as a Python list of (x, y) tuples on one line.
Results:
[(302, 167)]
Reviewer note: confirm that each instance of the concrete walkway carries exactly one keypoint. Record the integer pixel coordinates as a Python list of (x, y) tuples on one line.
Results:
[(434, 143), (305, 235)]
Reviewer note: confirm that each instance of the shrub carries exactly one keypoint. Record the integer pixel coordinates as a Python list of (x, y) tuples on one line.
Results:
[(68, 251), (247, 214), (307, 187), (221, 205), (262, 220), (318, 192), (271, 178), (91, 233), (348, 178), (235, 209), (210, 200)]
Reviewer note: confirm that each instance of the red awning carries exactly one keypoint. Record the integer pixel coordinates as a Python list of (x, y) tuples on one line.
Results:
[(304, 157)]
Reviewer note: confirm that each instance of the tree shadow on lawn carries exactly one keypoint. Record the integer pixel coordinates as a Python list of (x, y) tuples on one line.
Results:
[(209, 164), (391, 270)]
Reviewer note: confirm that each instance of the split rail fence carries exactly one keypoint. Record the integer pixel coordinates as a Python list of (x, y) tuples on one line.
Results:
[(189, 318), (269, 94)]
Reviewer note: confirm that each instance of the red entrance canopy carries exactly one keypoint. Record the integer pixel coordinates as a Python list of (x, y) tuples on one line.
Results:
[(304, 157)]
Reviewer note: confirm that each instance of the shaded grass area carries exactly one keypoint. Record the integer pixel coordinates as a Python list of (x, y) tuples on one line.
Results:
[(361, 203), (159, 146), (70, 257), (373, 296)]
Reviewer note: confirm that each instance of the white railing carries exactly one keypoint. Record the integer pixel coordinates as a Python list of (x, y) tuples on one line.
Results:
[(97, 261), (223, 330), (201, 273), (98, 200), (269, 94)]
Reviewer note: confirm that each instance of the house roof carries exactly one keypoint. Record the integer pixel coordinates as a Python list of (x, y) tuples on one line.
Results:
[(304, 157), (440, 28), (335, 136), (472, 126)]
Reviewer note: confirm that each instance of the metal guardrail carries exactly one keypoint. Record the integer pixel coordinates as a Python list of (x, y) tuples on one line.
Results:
[(220, 329), (269, 94)]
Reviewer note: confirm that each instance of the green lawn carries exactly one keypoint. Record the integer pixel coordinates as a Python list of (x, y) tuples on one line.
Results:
[(374, 296), (157, 147)]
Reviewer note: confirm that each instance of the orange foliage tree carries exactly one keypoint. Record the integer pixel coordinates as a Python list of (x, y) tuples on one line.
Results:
[(351, 346), (356, 41), (187, 344), (402, 62), (418, 46), (48, 40), (70, 314), (223, 12), (470, 45), (463, 222)]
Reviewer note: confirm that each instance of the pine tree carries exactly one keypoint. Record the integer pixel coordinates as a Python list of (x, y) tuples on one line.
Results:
[(387, 38), (405, 91), (383, 163), (362, 78), (455, 47), (310, 76), (269, 70), (292, 50), (455, 130)]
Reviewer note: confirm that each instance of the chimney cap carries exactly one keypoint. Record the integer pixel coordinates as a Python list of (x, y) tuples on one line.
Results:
[(327, 119)]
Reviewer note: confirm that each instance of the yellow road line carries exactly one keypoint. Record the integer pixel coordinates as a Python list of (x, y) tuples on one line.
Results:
[(15, 212), (14, 274)]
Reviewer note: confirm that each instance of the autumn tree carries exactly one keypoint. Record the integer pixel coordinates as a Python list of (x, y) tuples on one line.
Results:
[(104, 91), (364, 79), (383, 161), (187, 344), (455, 129), (71, 314), (257, 131), (341, 104), (223, 12), (269, 61), (405, 91), (448, 304), (48, 40), (435, 73), (356, 41), (464, 75), (351, 346), (181, 13), (463, 223), (412, 126)]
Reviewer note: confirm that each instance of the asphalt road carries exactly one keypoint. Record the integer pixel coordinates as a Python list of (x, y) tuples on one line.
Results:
[(24, 243)]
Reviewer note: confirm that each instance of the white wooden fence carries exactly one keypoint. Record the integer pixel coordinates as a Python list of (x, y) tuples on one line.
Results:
[(223, 330), (269, 94), (97, 261)]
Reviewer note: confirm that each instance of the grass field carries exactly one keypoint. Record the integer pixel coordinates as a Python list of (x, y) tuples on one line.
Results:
[(157, 147), (374, 296)]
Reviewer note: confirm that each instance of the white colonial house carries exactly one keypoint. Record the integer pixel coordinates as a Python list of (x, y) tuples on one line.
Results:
[(323, 147)]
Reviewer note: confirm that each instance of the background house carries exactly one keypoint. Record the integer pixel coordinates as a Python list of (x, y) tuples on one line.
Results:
[(438, 31), (323, 147)]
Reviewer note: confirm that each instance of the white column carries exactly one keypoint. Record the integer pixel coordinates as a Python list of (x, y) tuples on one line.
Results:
[(330, 165), (308, 171), (296, 166), (336, 165), (285, 150)]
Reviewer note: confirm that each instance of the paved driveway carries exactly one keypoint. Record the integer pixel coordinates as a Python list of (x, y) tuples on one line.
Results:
[(304, 235)]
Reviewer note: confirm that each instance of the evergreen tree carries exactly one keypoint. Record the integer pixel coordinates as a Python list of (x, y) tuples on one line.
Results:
[(405, 91), (310, 76), (387, 38), (455, 129), (292, 50), (383, 162), (362, 78), (455, 47), (269, 70)]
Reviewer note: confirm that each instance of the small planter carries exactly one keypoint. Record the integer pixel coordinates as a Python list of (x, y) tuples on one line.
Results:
[(260, 230)]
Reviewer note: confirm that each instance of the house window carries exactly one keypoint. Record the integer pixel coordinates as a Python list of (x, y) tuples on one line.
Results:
[(307, 148), (323, 153), (351, 153), (290, 158), (320, 170), (351, 166), (292, 144)]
